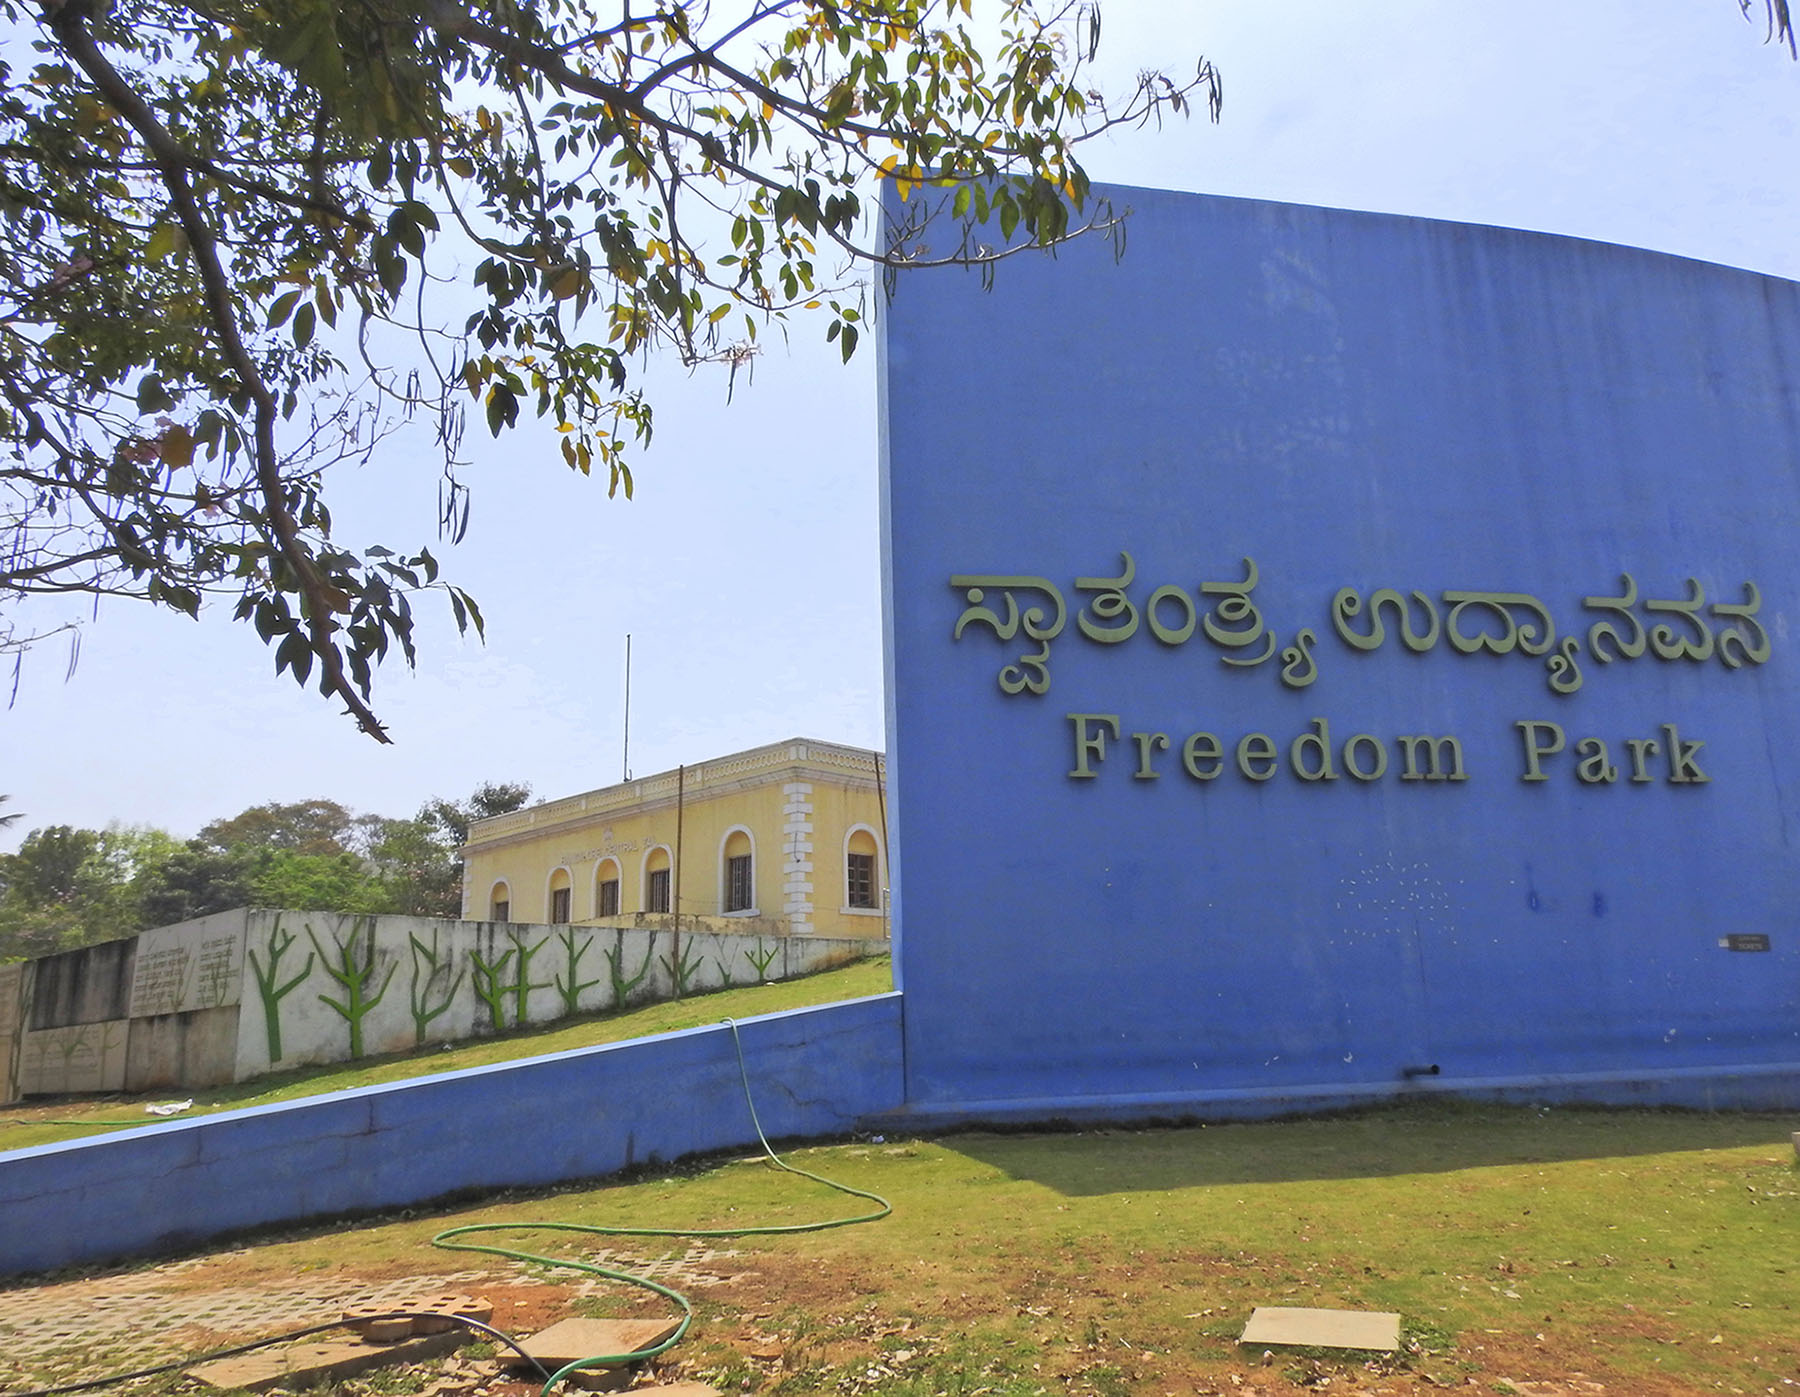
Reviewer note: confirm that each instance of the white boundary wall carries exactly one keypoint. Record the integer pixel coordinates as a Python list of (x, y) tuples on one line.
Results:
[(237, 994)]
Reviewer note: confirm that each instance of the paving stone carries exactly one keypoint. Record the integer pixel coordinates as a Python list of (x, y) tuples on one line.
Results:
[(503, 1382), (602, 1379), (1295, 1327), (114, 1322), (677, 1389), (571, 1339), (308, 1364), (476, 1307), (146, 1306), (427, 1314), (385, 1331)]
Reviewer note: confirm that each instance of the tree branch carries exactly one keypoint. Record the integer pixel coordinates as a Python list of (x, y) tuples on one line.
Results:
[(319, 598)]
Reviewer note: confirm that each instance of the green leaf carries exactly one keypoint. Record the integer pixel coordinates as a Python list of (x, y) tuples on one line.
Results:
[(183, 599), (296, 655), (164, 240), (303, 325), (152, 396), (282, 308), (421, 214), (474, 612), (403, 223), (502, 408), (390, 266)]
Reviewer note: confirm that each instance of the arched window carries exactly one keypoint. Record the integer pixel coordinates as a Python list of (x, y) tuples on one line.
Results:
[(606, 888), (862, 871), (560, 887), (737, 873), (656, 880), (500, 903)]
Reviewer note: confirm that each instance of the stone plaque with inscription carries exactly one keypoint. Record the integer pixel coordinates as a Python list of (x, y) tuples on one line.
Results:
[(196, 965)]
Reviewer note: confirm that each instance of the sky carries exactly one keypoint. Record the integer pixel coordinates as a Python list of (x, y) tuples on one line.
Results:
[(747, 568)]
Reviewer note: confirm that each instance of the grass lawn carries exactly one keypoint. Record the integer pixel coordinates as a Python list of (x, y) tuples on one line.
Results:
[(1528, 1251), (39, 1122), (1518, 1245)]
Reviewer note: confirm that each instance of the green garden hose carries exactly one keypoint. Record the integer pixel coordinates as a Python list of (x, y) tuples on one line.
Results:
[(443, 1239)]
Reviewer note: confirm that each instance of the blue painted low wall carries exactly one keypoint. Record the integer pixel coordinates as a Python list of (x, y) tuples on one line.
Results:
[(522, 1124)]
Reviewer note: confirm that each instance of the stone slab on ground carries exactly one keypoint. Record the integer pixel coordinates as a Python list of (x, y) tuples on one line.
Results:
[(572, 1339), (677, 1389), (384, 1321), (1303, 1328), (308, 1364), (603, 1379)]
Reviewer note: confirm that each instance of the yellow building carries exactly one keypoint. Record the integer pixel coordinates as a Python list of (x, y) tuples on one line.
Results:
[(789, 839)]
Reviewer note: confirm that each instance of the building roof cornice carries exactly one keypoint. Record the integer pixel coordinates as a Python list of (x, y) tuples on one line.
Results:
[(798, 758)]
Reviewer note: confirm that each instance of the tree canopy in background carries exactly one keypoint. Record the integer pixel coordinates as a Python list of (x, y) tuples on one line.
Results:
[(70, 887), (302, 827), (242, 243)]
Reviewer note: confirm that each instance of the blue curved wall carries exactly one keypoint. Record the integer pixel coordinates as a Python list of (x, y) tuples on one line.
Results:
[(1115, 891), (521, 1124)]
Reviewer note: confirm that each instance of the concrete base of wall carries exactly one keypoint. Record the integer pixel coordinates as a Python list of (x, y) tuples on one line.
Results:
[(532, 1123), (1750, 1087), (195, 1049)]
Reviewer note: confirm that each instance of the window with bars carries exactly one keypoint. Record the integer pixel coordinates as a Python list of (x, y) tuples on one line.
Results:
[(740, 895), (861, 880), (559, 904), (607, 900), (658, 890), (502, 910)]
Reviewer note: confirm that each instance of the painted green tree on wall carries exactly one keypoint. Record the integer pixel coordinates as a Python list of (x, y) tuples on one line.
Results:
[(681, 969), (615, 960), (570, 989), (354, 971), (494, 992), (523, 984), (489, 988), (761, 958), (270, 986), (430, 967)]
